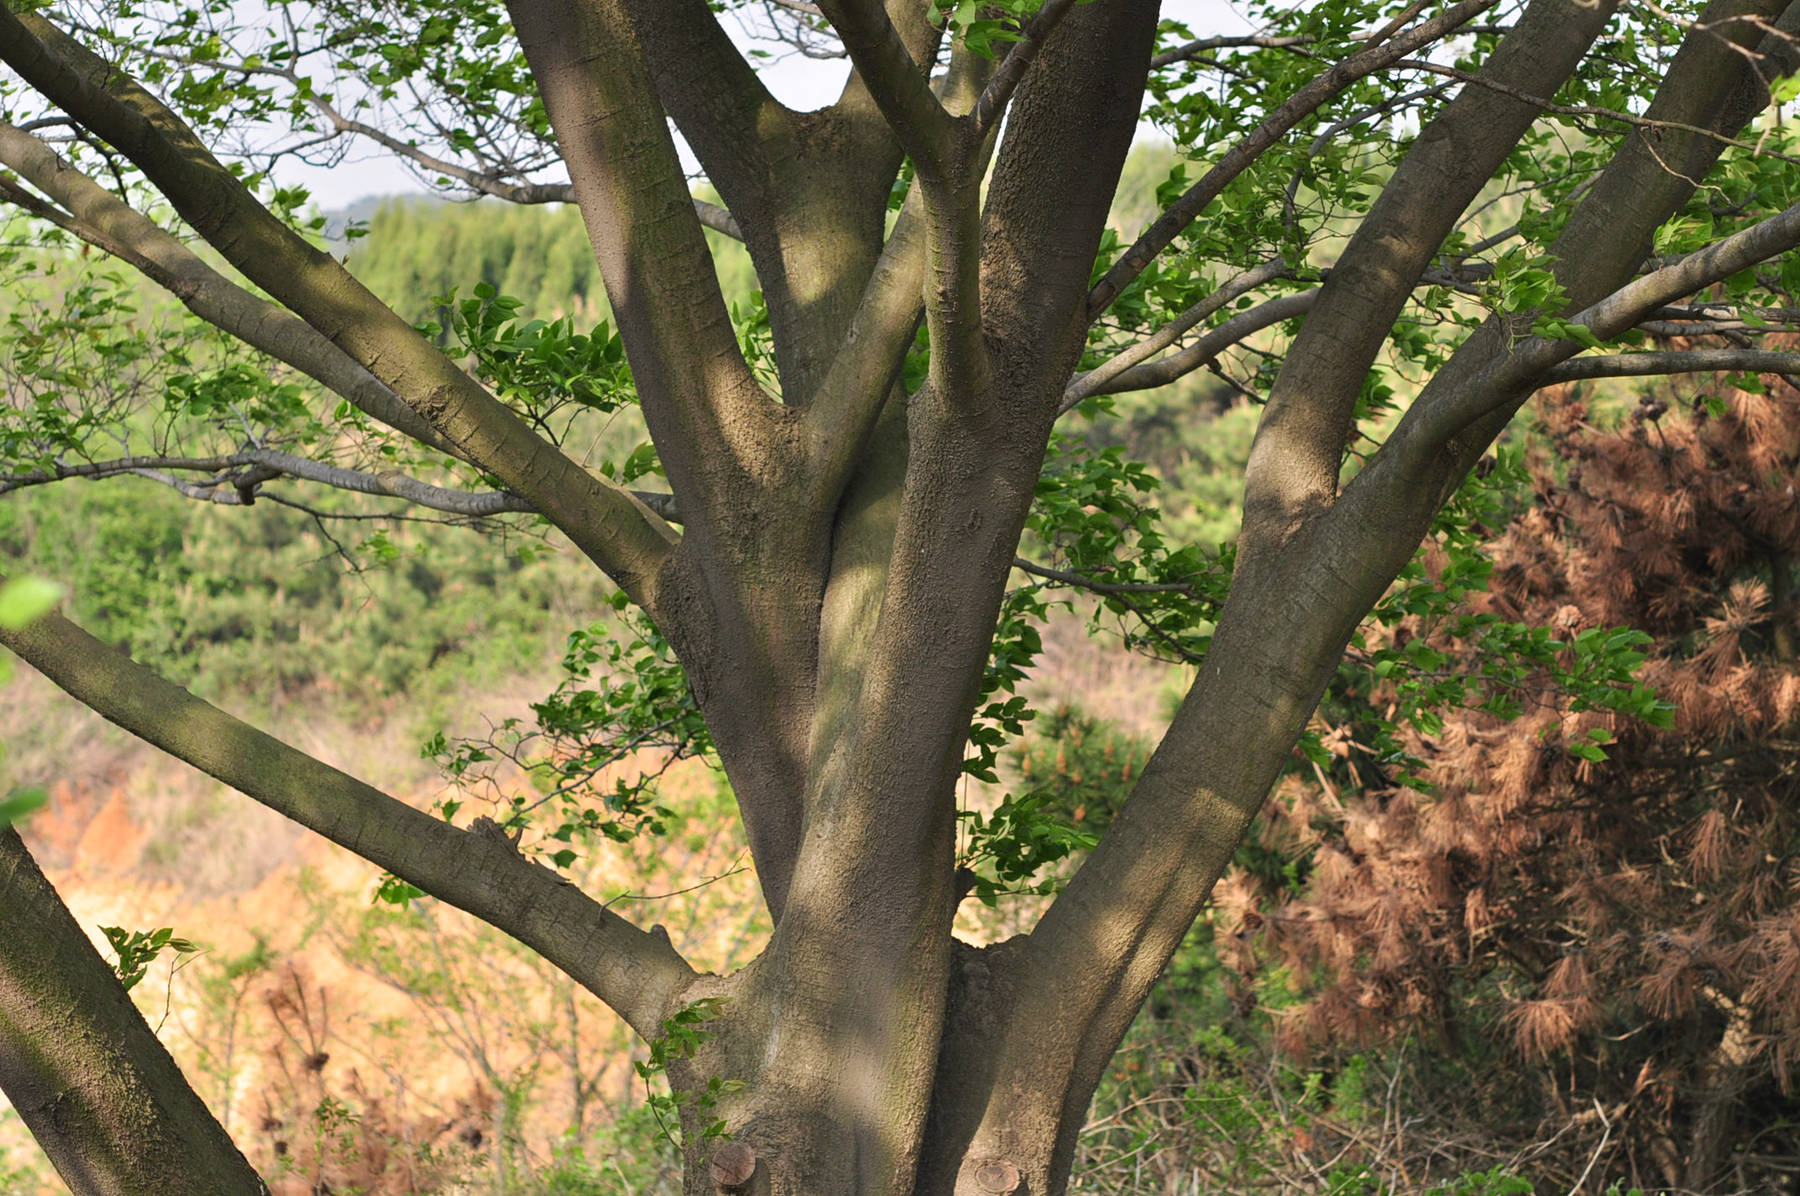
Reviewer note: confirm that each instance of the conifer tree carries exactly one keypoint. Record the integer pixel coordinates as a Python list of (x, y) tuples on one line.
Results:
[(1598, 912)]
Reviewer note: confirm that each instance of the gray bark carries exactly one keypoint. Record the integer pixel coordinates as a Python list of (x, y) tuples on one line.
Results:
[(83, 1069)]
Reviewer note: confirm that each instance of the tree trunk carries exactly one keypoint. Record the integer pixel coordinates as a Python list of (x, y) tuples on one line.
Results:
[(1722, 1082)]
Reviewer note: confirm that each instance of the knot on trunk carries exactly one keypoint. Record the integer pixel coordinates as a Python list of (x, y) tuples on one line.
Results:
[(997, 1176), (732, 1166)]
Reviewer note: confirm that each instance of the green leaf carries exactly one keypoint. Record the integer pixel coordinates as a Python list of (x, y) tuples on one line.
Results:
[(394, 891), (23, 599), (21, 803)]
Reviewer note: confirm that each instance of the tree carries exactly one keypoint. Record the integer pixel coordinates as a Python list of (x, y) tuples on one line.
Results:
[(1623, 923), (850, 493)]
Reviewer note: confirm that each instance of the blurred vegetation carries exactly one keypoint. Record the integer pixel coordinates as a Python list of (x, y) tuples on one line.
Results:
[(272, 603), (417, 250)]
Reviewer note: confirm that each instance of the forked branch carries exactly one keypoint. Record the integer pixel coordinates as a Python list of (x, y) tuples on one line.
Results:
[(1436, 419), (1292, 472), (698, 394), (896, 82)]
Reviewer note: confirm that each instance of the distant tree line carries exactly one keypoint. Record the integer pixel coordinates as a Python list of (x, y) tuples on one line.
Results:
[(417, 249)]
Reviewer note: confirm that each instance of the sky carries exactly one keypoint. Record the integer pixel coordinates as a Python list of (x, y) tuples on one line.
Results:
[(801, 83)]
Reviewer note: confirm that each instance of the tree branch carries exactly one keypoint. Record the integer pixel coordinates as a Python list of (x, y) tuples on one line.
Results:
[(1098, 380), (1590, 110), (1082, 582), (736, 128), (1206, 45), (84, 1070), (1239, 158), (1292, 473), (1203, 351), (872, 354), (1693, 361), (1151, 374), (638, 974), (601, 518), (895, 80), (235, 470)]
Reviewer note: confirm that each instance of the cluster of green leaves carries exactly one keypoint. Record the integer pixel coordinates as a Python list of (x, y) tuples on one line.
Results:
[(238, 389), (1001, 711), (1095, 520), (1080, 772), (1092, 520), (541, 368), (638, 702), (1096, 515), (681, 1039), (984, 27), (756, 339), (1007, 850), (1512, 663), (77, 354), (105, 365), (138, 949)]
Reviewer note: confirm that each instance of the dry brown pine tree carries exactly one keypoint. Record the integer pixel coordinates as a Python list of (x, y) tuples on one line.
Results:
[(1626, 932)]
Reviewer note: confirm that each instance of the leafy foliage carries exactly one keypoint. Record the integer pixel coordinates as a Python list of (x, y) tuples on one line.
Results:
[(542, 369), (681, 1040), (639, 703), (138, 949)]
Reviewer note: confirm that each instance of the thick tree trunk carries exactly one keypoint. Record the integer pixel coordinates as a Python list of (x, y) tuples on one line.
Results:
[(86, 1074)]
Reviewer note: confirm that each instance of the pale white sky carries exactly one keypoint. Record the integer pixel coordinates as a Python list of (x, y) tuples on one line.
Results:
[(799, 82)]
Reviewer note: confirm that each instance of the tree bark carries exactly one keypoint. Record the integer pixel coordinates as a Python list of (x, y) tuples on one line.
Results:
[(82, 1067)]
